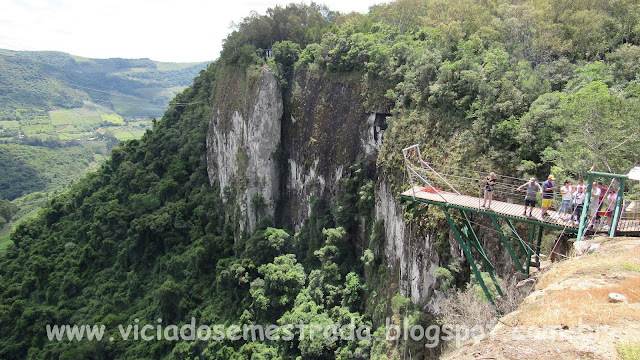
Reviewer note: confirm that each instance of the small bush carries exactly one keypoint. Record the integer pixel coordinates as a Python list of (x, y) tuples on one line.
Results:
[(629, 350), (466, 308), (444, 279)]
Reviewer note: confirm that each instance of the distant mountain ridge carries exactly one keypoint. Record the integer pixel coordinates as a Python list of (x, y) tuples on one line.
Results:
[(37, 81)]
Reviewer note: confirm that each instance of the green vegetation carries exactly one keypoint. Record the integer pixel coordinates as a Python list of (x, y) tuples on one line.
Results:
[(56, 101), (26, 169), (628, 350), (492, 85), (631, 267), (148, 229), (7, 210)]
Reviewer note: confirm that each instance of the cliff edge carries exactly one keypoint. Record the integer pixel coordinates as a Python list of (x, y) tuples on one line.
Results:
[(587, 307)]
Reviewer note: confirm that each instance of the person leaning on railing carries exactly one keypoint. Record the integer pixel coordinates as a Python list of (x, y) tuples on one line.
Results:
[(530, 198)]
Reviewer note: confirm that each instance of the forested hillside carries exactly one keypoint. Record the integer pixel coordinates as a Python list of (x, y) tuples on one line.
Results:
[(520, 88), (36, 82), (61, 114)]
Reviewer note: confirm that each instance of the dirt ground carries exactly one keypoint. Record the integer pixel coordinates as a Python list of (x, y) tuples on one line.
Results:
[(570, 314)]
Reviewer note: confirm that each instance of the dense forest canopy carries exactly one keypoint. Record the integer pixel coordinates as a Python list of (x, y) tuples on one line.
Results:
[(61, 114), (515, 86)]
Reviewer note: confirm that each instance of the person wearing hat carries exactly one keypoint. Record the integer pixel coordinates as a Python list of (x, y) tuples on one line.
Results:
[(548, 188), (530, 199)]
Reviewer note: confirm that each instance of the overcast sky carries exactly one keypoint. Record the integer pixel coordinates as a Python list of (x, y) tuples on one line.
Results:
[(163, 30)]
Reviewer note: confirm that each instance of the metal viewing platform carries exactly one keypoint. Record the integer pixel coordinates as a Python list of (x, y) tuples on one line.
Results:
[(463, 195)]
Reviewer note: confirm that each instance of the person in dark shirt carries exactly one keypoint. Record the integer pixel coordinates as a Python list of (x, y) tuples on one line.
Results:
[(490, 183), (548, 188)]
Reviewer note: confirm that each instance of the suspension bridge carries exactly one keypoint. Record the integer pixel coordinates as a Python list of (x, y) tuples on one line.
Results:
[(459, 193)]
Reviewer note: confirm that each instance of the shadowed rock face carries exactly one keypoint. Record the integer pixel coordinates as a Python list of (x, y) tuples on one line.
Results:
[(324, 131), (240, 152)]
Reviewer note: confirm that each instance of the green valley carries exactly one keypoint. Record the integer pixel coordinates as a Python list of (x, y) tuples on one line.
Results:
[(61, 114)]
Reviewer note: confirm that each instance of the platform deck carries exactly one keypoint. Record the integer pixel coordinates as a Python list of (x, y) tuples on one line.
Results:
[(509, 210)]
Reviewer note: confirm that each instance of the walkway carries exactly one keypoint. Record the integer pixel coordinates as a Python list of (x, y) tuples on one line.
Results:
[(509, 210)]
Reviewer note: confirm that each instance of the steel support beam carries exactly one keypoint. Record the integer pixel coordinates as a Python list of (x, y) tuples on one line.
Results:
[(515, 232), (507, 244), (532, 234), (616, 214), (538, 245), (468, 255), (473, 238), (467, 230)]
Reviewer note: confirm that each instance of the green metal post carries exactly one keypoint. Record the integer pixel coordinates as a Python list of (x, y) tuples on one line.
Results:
[(468, 224), (532, 233), (616, 214), (467, 253), (507, 245), (515, 232), (585, 207), (474, 241), (538, 244)]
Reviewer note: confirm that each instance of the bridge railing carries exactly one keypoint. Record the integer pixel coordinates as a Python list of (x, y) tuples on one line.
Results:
[(447, 178), (421, 173)]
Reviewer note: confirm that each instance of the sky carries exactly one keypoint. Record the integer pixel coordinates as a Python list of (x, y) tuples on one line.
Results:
[(162, 30)]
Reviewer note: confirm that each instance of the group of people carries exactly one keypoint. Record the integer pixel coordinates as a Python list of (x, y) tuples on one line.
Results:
[(573, 198)]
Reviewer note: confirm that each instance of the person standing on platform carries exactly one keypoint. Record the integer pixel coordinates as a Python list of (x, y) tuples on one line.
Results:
[(612, 198), (567, 195), (578, 201), (581, 185), (548, 188), (490, 183), (595, 204), (530, 199)]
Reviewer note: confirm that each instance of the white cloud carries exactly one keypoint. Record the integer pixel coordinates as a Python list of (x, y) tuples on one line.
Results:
[(166, 30)]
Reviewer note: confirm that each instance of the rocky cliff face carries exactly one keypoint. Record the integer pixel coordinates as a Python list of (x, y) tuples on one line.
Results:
[(325, 130), (322, 128), (241, 149), (414, 256)]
